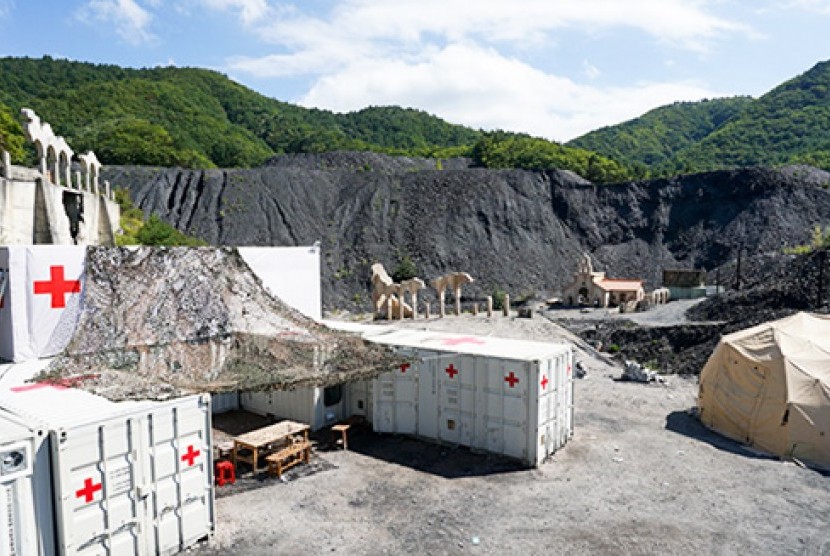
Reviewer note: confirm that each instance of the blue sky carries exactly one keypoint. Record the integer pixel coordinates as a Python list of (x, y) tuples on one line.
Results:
[(552, 68)]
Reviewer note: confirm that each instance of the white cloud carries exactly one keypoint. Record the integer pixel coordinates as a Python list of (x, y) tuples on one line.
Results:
[(816, 6), (6, 6), (458, 60), (590, 70), (480, 88), (250, 11), (684, 23), (130, 20)]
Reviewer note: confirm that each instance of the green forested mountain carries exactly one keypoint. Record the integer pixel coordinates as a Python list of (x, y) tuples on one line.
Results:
[(790, 124), (787, 125), (199, 118), (653, 139)]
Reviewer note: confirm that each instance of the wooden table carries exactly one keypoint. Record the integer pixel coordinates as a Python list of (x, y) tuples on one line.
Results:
[(261, 439)]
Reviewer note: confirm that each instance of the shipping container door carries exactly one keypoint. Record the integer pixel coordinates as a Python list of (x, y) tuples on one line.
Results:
[(548, 424), (18, 524), (452, 377), (396, 400), (177, 487), (360, 398), (508, 407), (97, 469), (564, 372), (430, 368), (569, 395)]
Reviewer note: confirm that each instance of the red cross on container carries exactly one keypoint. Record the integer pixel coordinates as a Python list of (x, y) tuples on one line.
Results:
[(89, 490), (404, 367), (462, 340), (191, 455), (452, 371), (544, 382), (57, 287), (511, 379)]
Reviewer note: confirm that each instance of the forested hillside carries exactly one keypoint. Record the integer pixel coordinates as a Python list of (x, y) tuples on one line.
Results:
[(790, 124), (650, 142), (787, 125), (197, 118), (200, 118)]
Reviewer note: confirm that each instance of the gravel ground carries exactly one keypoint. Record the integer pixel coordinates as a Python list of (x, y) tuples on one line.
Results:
[(640, 476), (670, 314)]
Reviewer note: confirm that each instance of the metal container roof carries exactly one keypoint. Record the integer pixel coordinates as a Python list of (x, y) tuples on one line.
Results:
[(53, 405), (11, 430), (487, 346)]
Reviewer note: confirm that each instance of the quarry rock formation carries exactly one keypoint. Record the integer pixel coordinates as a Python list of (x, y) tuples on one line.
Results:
[(514, 230)]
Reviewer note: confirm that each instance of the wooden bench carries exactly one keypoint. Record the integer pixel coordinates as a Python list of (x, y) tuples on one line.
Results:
[(285, 458)]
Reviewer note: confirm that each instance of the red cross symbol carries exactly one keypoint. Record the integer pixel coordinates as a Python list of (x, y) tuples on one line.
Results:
[(544, 382), (37, 386), (190, 455), (464, 340), (57, 287), (89, 490), (569, 370), (452, 371), (511, 379), (404, 367)]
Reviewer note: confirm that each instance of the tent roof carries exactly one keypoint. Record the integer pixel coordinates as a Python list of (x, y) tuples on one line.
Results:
[(803, 339), (159, 322)]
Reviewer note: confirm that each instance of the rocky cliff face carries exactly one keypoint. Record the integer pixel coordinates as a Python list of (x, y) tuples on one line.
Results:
[(515, 230)]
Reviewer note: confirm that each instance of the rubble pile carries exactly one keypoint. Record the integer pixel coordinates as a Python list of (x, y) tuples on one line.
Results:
[(772, 287), (159, 322)]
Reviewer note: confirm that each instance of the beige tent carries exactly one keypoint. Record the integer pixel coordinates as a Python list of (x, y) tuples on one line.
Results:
[(769, 387)]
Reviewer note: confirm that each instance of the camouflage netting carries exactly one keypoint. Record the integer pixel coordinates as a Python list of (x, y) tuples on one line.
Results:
[(160, 322)]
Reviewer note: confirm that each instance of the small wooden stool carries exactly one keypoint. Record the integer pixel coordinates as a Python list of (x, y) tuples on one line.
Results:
[(343, 429)]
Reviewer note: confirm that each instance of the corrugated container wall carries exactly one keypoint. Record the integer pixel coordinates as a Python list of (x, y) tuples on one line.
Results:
[(504, 396), (18, 523), (126, 478), (317, 406)]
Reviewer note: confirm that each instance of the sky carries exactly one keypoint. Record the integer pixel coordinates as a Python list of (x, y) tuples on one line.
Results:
[(551, 68)]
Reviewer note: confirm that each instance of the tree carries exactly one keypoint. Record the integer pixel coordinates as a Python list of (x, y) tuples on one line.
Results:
[(405, 270), (11, 134), (157, 232)]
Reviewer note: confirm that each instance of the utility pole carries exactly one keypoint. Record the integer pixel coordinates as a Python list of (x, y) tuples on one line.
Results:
[(738, 269)]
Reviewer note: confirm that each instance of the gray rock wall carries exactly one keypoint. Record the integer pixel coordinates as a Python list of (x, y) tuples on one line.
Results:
[(515, 230)]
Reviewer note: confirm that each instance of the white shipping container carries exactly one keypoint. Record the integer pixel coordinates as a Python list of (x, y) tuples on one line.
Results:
[(316, 406), (510, 397), (18, 523), (117, 478), (224, 402)]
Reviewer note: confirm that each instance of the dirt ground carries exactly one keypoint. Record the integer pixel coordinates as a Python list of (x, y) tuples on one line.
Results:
[(640, 476)]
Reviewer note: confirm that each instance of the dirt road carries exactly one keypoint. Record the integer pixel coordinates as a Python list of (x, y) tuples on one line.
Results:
[(640, 476)]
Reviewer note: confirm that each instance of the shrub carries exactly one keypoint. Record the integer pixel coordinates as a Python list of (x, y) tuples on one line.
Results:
[(405, 270)]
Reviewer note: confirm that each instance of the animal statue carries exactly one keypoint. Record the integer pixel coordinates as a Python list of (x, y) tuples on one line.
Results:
[(452, 280), (384, 292)]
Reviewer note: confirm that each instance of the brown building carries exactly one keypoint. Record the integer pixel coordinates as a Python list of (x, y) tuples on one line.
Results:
[(593, 288)]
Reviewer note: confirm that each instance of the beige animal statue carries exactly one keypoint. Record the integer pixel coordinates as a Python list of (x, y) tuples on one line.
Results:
[(452, 280), (387, 295), (412, 286)]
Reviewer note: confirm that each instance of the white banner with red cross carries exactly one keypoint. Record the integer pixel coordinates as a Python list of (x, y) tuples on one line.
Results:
[(42, 299)]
